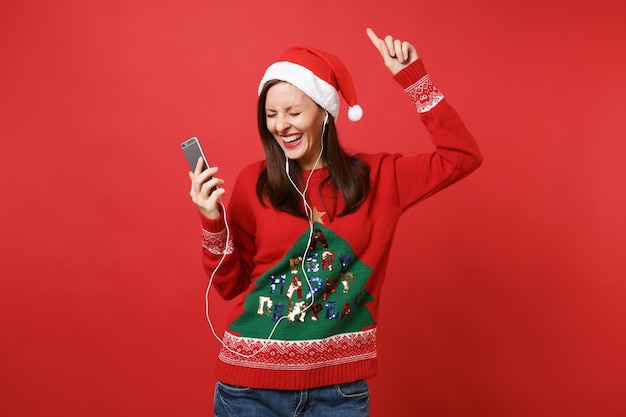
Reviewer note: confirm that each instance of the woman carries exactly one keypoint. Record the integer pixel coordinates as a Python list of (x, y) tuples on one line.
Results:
[(308, 233)]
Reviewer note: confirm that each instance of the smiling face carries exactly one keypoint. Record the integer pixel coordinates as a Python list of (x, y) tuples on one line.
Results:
[(296, 123)]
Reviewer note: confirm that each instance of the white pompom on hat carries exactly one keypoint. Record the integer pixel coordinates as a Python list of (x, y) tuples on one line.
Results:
[(319, 75)]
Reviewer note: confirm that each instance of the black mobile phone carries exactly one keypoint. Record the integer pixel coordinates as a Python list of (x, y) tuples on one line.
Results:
[(192, 150)]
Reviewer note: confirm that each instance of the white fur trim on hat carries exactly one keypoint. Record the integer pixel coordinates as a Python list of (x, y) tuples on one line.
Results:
[(304, 79)]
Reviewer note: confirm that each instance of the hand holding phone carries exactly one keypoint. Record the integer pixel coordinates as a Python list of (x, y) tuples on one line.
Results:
[(206, 204)]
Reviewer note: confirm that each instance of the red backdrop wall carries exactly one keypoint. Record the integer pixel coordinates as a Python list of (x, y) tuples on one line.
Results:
[(514, 278)]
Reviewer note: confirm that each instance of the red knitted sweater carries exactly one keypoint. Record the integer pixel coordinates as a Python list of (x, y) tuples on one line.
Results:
[(309, 292)]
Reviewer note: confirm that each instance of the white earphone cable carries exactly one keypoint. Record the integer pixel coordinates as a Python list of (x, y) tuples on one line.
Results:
[(309, 213)]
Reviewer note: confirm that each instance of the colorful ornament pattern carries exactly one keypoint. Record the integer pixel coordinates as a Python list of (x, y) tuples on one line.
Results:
[(309, 311)]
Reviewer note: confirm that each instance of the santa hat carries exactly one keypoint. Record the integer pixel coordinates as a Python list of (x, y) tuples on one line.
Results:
[(319, 75)]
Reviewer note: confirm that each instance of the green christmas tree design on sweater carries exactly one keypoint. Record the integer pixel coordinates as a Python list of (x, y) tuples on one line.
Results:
[(329, 299)]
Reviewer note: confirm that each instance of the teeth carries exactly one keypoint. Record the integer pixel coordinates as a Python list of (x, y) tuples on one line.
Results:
[(292, 139)]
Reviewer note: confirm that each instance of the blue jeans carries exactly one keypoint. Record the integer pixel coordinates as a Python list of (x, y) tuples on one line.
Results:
[(343, 400)]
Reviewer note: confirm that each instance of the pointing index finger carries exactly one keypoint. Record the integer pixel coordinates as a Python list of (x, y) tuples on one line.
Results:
[(374, 38)]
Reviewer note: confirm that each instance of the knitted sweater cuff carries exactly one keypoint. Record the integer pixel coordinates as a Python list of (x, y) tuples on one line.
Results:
[(418, 86), (212, 225), (411, 74)]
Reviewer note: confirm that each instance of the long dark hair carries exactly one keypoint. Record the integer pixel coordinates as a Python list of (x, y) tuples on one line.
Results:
[(348, 175)]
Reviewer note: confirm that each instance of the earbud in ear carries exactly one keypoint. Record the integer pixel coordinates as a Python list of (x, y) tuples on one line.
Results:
[(326, 119)]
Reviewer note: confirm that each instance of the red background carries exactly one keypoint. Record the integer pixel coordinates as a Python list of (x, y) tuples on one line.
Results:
[(505, 293)]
